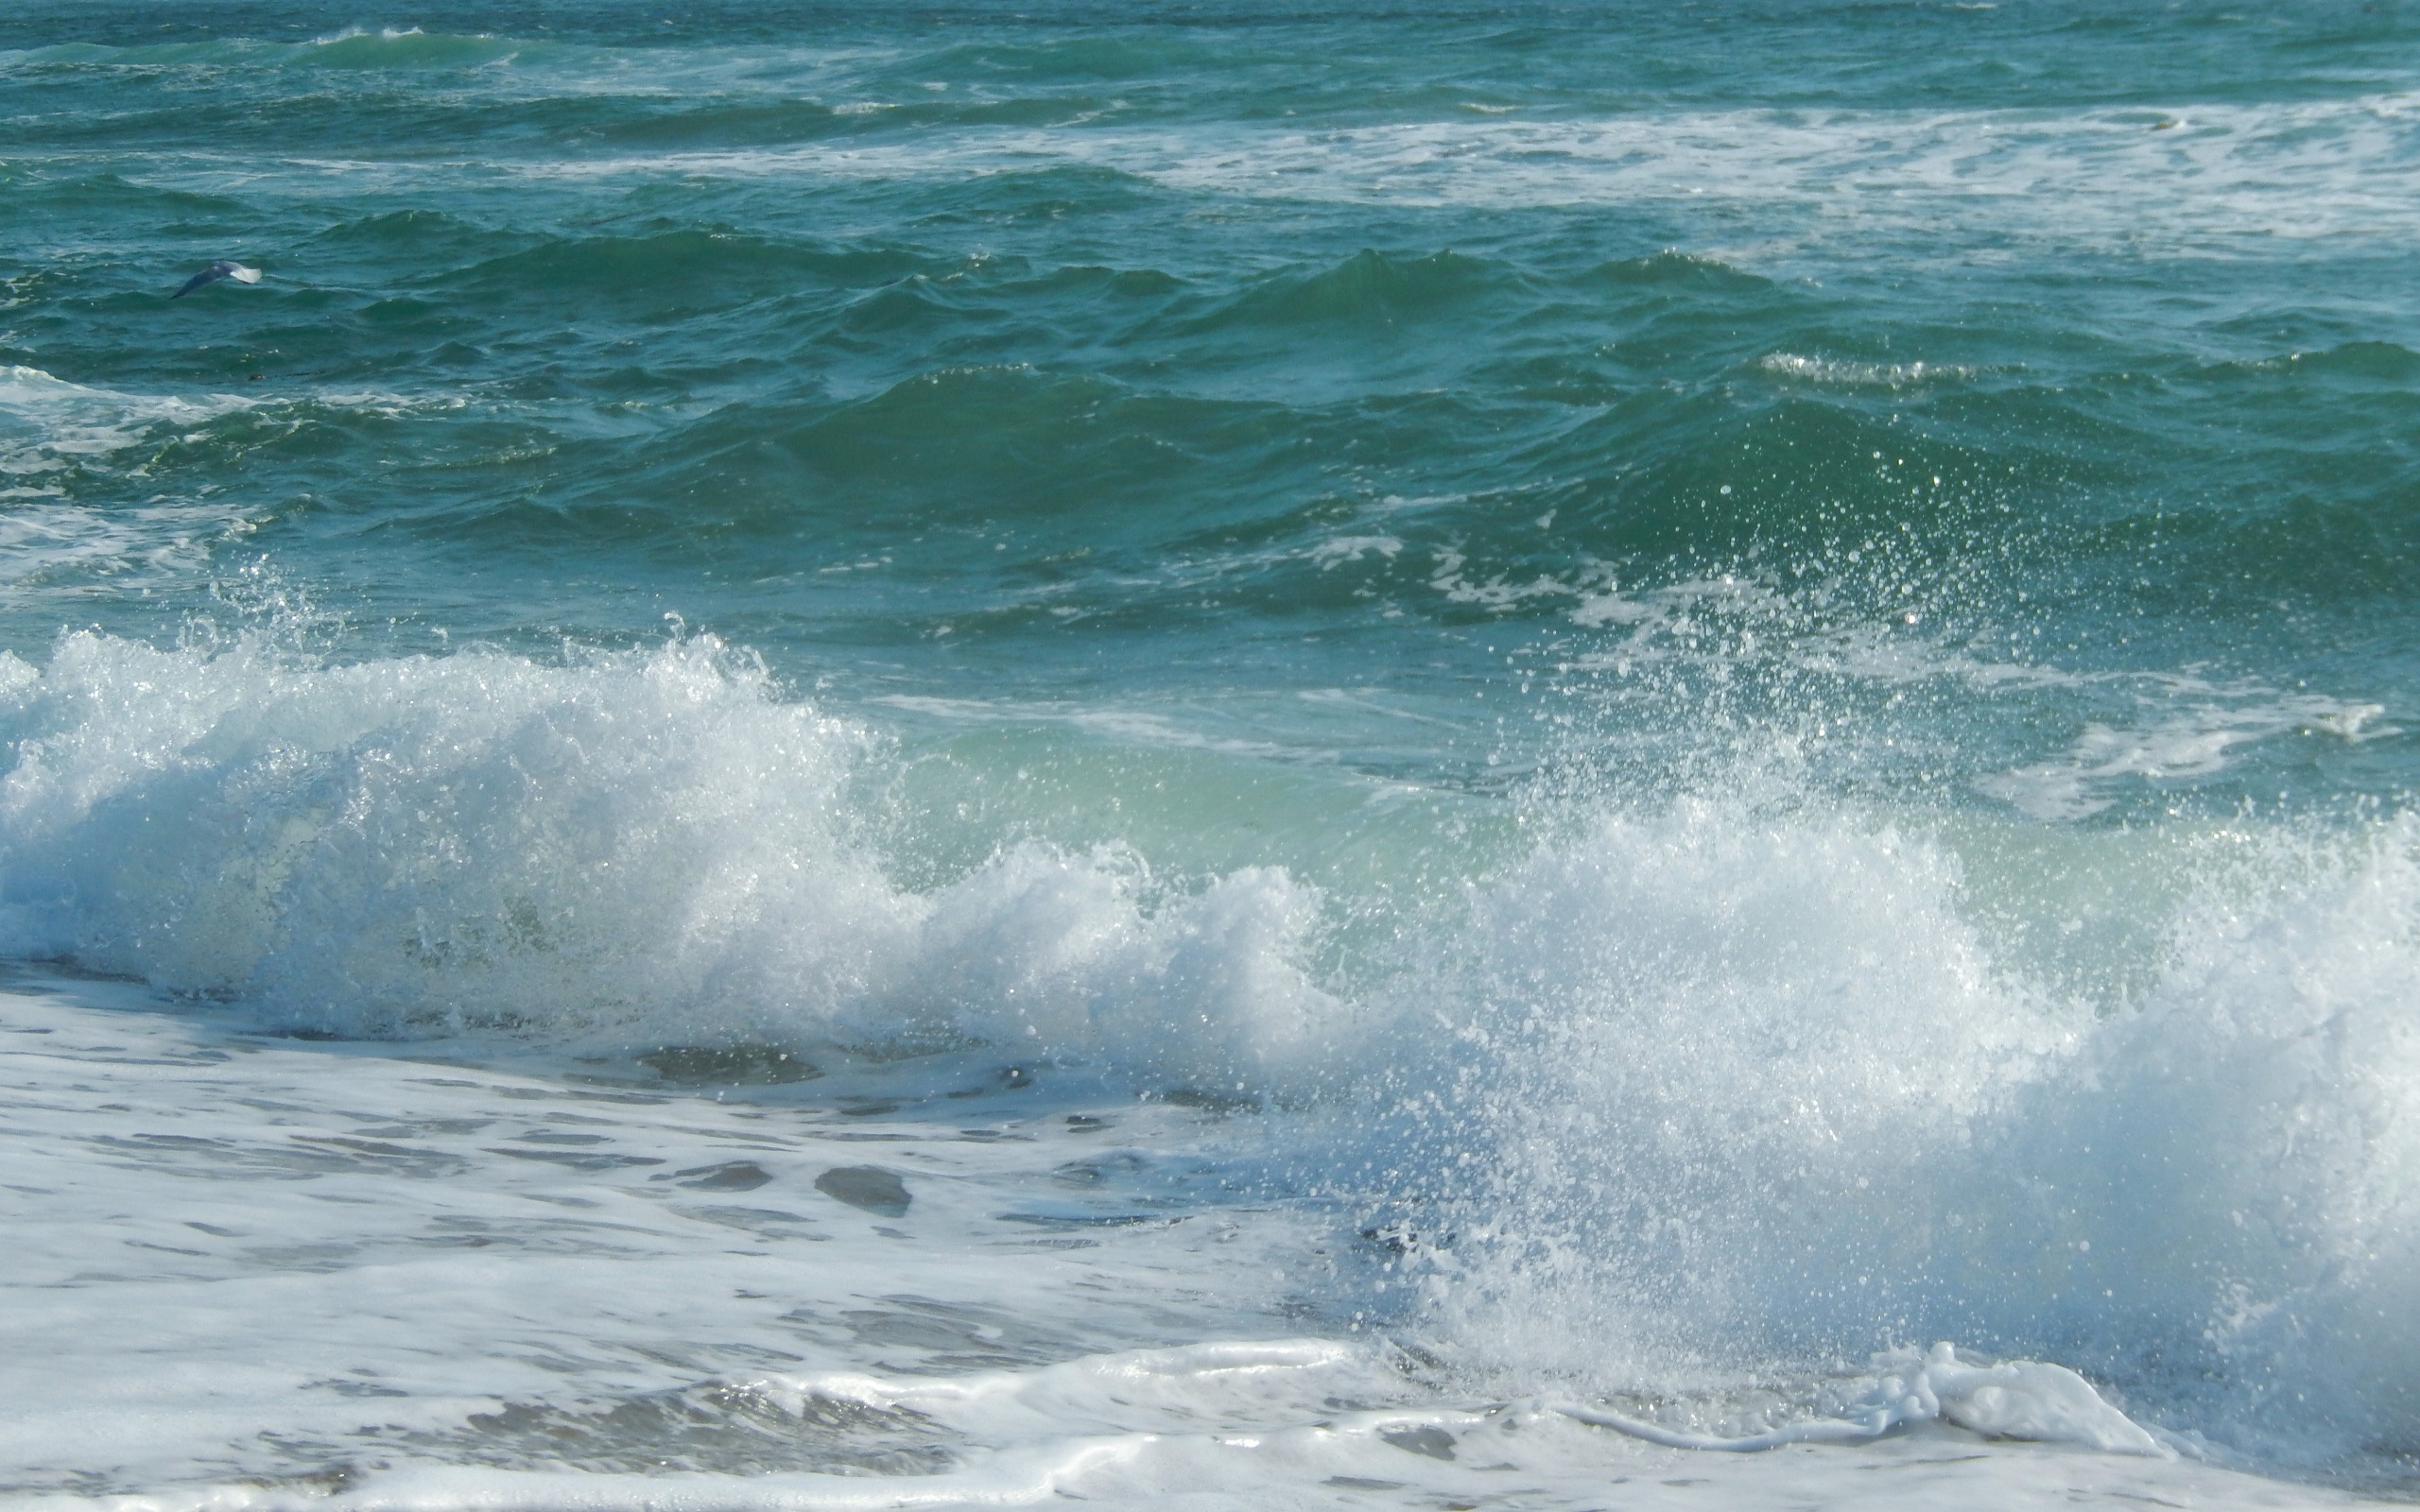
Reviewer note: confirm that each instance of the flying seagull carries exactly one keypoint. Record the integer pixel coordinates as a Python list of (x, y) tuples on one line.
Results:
[(216, 271)]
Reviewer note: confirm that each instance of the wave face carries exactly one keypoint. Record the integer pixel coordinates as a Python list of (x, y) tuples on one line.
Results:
[(625, 848), (1669, 703)]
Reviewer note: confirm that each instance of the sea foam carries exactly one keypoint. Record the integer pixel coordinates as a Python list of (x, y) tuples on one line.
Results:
[(1754, 1087), (625, 850), (1673, 1097)]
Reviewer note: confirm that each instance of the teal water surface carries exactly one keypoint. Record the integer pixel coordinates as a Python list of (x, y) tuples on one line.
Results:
[(1081, 355)]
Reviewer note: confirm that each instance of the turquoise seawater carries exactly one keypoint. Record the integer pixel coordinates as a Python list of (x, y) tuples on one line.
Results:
[(1206, 359), (1754, 656)]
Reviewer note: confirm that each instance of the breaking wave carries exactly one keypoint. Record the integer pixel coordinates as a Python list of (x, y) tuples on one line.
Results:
[(1668, 1096)]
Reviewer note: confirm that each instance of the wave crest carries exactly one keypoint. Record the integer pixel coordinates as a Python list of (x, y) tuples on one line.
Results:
[(630, 848)]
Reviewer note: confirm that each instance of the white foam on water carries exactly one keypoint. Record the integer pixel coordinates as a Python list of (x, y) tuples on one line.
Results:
[(45, 539), (1739, 622), (1671, 1106), (1757, 1087), (1860, 374), (2131, 729), (55, 434), (1337, 550), (2222, 177), (48, 424), (2012, 1399), (2172, 177), (302, 1266), (626, 847), (2193, 741), (295, 1276), (2232, 180)]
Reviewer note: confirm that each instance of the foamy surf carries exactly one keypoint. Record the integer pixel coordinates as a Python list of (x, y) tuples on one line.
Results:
[(438, 1284), (2013, 1398), (605, 850), (1651, 1090)]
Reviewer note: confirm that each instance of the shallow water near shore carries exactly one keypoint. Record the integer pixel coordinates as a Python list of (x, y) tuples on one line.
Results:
[(508, 1283), (957, 756)]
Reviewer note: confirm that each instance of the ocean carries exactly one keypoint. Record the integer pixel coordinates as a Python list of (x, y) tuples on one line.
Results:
[(1499, 754)]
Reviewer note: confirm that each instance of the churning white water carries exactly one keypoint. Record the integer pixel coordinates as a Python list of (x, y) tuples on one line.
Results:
[(676, 1131)]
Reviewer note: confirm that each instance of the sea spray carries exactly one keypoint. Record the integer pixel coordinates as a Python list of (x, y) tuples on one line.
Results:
[(1746, 1088)]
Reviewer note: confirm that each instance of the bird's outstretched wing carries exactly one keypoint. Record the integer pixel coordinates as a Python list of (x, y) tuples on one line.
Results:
[(216, 271)]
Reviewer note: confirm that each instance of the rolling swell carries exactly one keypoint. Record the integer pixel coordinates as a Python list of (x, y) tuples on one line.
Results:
[(1687, 430)]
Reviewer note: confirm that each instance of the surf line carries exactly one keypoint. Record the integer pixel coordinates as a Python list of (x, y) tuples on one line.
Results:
[(2016, 1398)]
